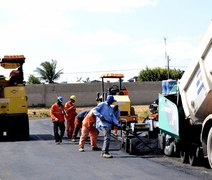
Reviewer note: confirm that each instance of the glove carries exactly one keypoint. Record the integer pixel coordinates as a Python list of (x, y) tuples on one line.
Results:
[(56, 119)]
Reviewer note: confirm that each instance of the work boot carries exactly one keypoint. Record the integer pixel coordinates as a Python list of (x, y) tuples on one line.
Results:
[(96, 149), (57, 143), (81, 150), (106, 155)]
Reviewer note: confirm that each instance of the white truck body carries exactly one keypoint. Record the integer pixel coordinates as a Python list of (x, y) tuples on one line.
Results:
[(185, 118), (196, 84)]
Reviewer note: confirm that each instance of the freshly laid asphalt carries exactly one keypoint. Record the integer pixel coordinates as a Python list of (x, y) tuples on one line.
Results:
[(40, 159)]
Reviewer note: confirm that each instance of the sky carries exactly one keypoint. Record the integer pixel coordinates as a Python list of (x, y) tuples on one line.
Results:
[(88, 38)]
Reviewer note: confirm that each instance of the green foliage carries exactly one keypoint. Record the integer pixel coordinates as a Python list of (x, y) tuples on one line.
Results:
[(48, 72), (33, 80), (159, 74)]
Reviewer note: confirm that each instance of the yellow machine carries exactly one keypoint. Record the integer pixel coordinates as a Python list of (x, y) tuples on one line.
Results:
[(14, 122), (120, 94)]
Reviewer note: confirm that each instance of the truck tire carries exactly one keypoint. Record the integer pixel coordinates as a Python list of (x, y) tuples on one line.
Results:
[(169, 146), (209, 147), (192, 159), (169, 149), (183, 156)]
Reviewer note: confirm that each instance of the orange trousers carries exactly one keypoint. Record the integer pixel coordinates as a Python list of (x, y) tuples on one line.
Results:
[(92, 132), (70, 127)]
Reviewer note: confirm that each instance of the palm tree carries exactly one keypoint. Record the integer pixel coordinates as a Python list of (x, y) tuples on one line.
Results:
[(48, 72)]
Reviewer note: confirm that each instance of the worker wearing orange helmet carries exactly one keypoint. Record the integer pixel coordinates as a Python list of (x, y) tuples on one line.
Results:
[(89, 128), (57, 114), (70, 115)]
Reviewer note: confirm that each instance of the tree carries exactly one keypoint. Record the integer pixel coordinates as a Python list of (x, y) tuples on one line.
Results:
[(159, 74), (48, 72), (33, 80)]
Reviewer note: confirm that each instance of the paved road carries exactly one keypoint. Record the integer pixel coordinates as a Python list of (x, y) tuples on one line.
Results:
[(41, 159)]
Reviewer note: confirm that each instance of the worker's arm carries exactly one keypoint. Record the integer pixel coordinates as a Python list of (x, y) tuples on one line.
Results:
[(53, 111), (97, 110)]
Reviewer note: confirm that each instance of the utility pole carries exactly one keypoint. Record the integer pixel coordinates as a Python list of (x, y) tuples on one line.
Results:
[(168, 67), (166, 58)]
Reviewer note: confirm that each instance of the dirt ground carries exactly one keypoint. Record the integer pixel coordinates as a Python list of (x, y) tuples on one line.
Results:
[(141, 110)]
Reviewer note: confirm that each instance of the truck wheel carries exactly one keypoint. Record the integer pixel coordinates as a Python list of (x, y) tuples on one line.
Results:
[(192, 159), (195, 156), (184, 156), (169, 146), (209, 147), (169, 149)]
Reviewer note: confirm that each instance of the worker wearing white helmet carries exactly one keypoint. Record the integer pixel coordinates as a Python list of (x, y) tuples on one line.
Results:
[(70, 115)]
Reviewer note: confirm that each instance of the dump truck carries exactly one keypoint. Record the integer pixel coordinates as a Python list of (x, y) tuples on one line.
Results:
[(185, 116), (14, 122)]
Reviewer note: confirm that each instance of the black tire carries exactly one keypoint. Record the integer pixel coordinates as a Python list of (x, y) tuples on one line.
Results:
[(169, 147), (209, 147), (127, 145), (195, 156), (22, 128), (133, 143), (25, 128), (192, 159), (184, 156)]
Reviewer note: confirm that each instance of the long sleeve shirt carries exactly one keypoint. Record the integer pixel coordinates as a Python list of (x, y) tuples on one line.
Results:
[(103, 109), (70, 110), (57, 112), (81, 115)]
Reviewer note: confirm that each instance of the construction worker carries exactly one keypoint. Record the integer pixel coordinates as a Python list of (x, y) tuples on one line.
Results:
[(58, 118), (70, 115), (78, 123), (105, 119), (89, 128)]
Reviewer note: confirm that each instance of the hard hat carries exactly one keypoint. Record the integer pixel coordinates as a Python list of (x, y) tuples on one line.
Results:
[(73, 97), (110, 99), (60, 99)]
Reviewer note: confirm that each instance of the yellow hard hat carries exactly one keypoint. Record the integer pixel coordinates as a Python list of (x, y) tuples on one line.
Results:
[(73, 97)]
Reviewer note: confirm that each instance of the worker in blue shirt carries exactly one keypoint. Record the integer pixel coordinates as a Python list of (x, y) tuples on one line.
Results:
[(78, 123), (106, 118)]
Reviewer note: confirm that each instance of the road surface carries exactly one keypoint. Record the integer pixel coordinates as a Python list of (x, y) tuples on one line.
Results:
[(41, 159)]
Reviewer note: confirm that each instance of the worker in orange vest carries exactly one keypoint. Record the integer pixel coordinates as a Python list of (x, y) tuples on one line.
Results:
[(70, 115), (89, 128), (57, 114)]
